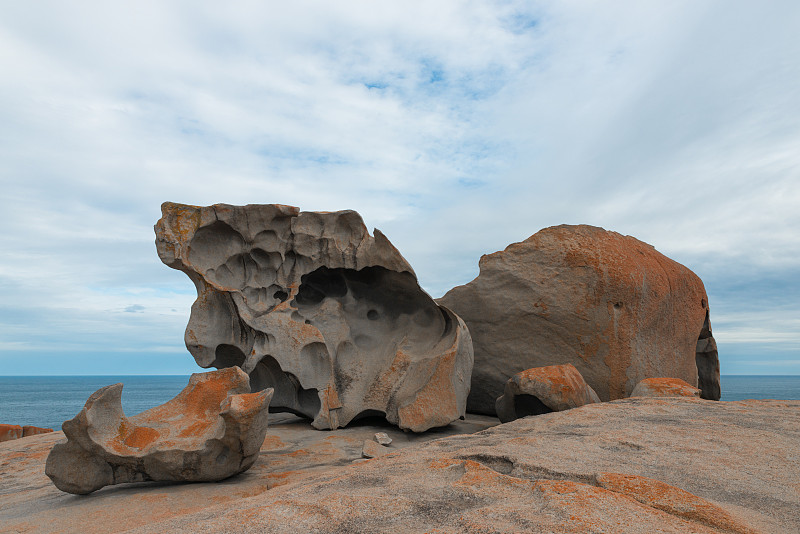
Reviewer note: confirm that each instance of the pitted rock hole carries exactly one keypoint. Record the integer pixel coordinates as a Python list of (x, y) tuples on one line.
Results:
[(289, 395), (281, 295), (499, 464), (525, 405), (374, 303), (228, 356)]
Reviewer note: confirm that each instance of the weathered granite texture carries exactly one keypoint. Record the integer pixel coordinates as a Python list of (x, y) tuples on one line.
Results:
[(313, 306), (212, 430), (29, 430), (543, 390), (664, 387), (634, 465), (610, 305), (9, 432)]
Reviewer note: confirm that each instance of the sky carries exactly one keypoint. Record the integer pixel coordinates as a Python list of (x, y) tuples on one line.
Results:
[(456, 128)]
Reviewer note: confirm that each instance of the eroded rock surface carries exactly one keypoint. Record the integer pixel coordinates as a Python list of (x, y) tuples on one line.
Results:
[(634, 465), (29, 430), (9, 432), (610, 305), (543, 390), (313, 306), (211, 430), (664, 387)]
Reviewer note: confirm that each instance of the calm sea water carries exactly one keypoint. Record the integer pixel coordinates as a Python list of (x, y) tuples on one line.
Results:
[(48, 401)]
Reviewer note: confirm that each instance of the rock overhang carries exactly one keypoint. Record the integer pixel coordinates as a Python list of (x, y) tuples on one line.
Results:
[(311, 304)]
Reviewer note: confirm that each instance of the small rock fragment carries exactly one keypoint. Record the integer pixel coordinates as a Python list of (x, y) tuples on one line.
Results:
[(211, 430), (382, 438), (542, 390), (664, 387), (372, 449)]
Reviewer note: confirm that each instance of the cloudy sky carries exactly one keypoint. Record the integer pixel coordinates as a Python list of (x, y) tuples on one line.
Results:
[(454, 127)]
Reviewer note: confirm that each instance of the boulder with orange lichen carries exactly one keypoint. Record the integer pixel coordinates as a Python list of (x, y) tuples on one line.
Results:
[(543, 390), (664, 387), (611, 305), (211, 430), (312, 305), (9, 432), (29, 430)]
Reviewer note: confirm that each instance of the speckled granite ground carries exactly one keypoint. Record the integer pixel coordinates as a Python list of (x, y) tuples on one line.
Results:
[(635, 465)]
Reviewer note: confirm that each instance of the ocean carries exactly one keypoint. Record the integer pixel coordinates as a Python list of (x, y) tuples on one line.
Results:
[(48, 401)]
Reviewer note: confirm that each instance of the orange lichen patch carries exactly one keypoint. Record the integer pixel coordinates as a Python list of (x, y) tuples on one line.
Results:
[(247, 402), (298, 452), (152, 498), (331, 398), (380, 390), (197, 405), (272, 442), (9, 432), (479, 475), (27, 455), (29, 430), (180, 221), (672, 500), (141, 437), (558, 486), (280, 479), (197, 429), (665, 387), (435, 404), (444, 463), (561, 379)]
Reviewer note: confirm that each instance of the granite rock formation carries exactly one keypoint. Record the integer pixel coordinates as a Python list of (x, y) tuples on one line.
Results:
[(9, 432), (611, 305), (211, 430), (707, 360), (29, 430), (664, 387), (313, 306), (633, 465), (543, 390)]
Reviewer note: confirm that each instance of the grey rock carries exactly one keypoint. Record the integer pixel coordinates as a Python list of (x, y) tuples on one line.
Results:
[(371, 449), (610, 305), (543, 390), (211, 430), (382, 438), (312, 305)]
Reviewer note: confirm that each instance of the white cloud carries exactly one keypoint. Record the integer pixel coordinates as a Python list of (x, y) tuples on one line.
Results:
[(456, 128)]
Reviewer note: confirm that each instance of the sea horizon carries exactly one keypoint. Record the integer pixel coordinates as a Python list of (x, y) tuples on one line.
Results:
[(49, 400)]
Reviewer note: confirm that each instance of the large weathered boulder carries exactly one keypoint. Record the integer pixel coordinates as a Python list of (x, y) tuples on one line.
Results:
[(611, 305), (211, 430), (664, 387), (313, 306), (543, 390)]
